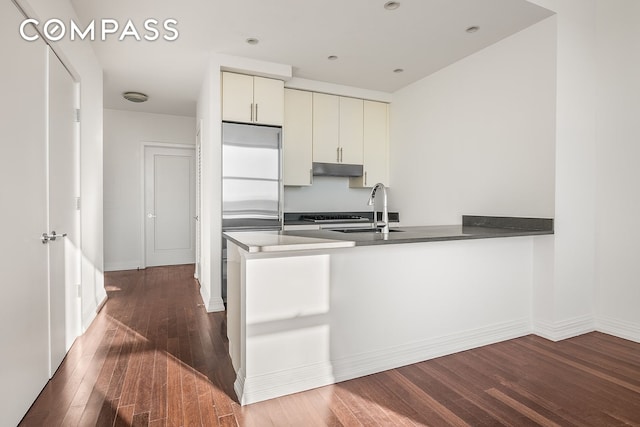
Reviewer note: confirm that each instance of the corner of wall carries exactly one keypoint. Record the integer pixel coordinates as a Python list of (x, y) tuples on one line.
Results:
[(557, 331), (619, 328)]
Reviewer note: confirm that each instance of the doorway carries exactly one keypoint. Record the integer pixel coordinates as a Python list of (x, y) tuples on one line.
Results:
[(169, 205)]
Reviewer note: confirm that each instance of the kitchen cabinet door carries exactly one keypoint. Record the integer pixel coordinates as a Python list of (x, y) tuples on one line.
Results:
[(298, 137), (268, 100), (326, 129), (249, 99), (351, 130), (376, 137), (237, 97)]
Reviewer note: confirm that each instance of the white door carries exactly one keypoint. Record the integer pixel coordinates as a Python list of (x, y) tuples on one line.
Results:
[(169, 206), (24, 331), (64, 215)]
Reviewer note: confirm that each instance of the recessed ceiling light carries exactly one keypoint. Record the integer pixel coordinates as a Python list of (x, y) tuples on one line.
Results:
[(392, 5), (472, 29), (135, 96), (398, 70), (252, 41), (332, 57)]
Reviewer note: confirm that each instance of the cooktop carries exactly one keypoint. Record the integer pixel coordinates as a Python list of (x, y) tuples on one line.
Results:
[(333, 218)]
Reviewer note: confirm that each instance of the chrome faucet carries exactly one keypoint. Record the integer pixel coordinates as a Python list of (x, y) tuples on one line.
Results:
[(385, 210)]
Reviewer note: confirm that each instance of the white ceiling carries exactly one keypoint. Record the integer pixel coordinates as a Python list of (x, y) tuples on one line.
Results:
[(421, 37)]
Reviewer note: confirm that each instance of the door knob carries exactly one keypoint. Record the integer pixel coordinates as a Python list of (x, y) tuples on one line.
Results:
[(51, 237), (150, 215)]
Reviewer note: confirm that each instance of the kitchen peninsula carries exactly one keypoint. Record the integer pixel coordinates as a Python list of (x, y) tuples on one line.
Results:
[(311, 308)]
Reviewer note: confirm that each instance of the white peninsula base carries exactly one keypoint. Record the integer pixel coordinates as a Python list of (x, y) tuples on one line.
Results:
[(303, 319)]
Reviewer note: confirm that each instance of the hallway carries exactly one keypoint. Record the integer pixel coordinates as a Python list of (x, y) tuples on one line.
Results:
[(154, 357)]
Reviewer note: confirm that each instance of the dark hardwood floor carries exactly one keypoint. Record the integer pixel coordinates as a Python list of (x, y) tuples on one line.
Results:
[(154, 357)]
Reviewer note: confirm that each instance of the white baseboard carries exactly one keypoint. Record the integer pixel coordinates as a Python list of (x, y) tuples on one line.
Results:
[(557, 331), (121, 266), (619, 328), (390, 358), (271, 385), (238, 385), (267, 386), (211, 304), (215, 304), (87, 319), (204, 294)]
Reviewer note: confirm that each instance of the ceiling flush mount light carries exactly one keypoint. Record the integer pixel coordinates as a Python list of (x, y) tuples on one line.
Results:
[(252, 41), (472, 29), (332, 57), (398, 70), (391, 5), (135, 96)]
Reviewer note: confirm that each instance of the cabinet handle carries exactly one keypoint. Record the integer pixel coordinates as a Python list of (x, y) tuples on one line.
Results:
[(338, 154), (365, 178), (311, 176), (251, 112), (256, 112)]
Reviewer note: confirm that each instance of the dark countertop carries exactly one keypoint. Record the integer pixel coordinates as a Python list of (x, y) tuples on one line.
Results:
[(474, 227)]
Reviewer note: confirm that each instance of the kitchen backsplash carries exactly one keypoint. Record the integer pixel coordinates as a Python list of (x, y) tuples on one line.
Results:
[(327, 194)]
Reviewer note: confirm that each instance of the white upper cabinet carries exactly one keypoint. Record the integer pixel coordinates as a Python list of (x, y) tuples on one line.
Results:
[(298, 137), (376, 146), (337, 129), (268, 101), (326, 128), (249, 99), (237, 97), (351, 116)]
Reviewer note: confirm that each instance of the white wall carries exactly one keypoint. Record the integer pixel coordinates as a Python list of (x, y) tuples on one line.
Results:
[(618, 174), (209, 114), (86, 69), (327, 194), (566, 303), (124, 135), (478, 136)]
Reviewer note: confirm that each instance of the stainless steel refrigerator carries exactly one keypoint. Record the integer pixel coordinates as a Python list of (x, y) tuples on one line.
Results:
[(251, 181), (251, 177)]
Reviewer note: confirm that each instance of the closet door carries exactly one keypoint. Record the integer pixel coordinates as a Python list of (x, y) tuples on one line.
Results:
[(24, 361), (63, 212)]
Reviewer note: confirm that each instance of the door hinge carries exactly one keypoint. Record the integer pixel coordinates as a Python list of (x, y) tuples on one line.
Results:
[(77, 116), (77, 203)]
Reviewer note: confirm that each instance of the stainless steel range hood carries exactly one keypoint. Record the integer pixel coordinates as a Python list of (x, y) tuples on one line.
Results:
[(337, 169)]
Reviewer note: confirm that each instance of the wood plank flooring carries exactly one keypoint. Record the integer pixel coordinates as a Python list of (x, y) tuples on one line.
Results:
[(154, 357)]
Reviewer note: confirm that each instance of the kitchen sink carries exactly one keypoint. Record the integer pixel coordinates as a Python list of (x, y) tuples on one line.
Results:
[(363, 230)]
